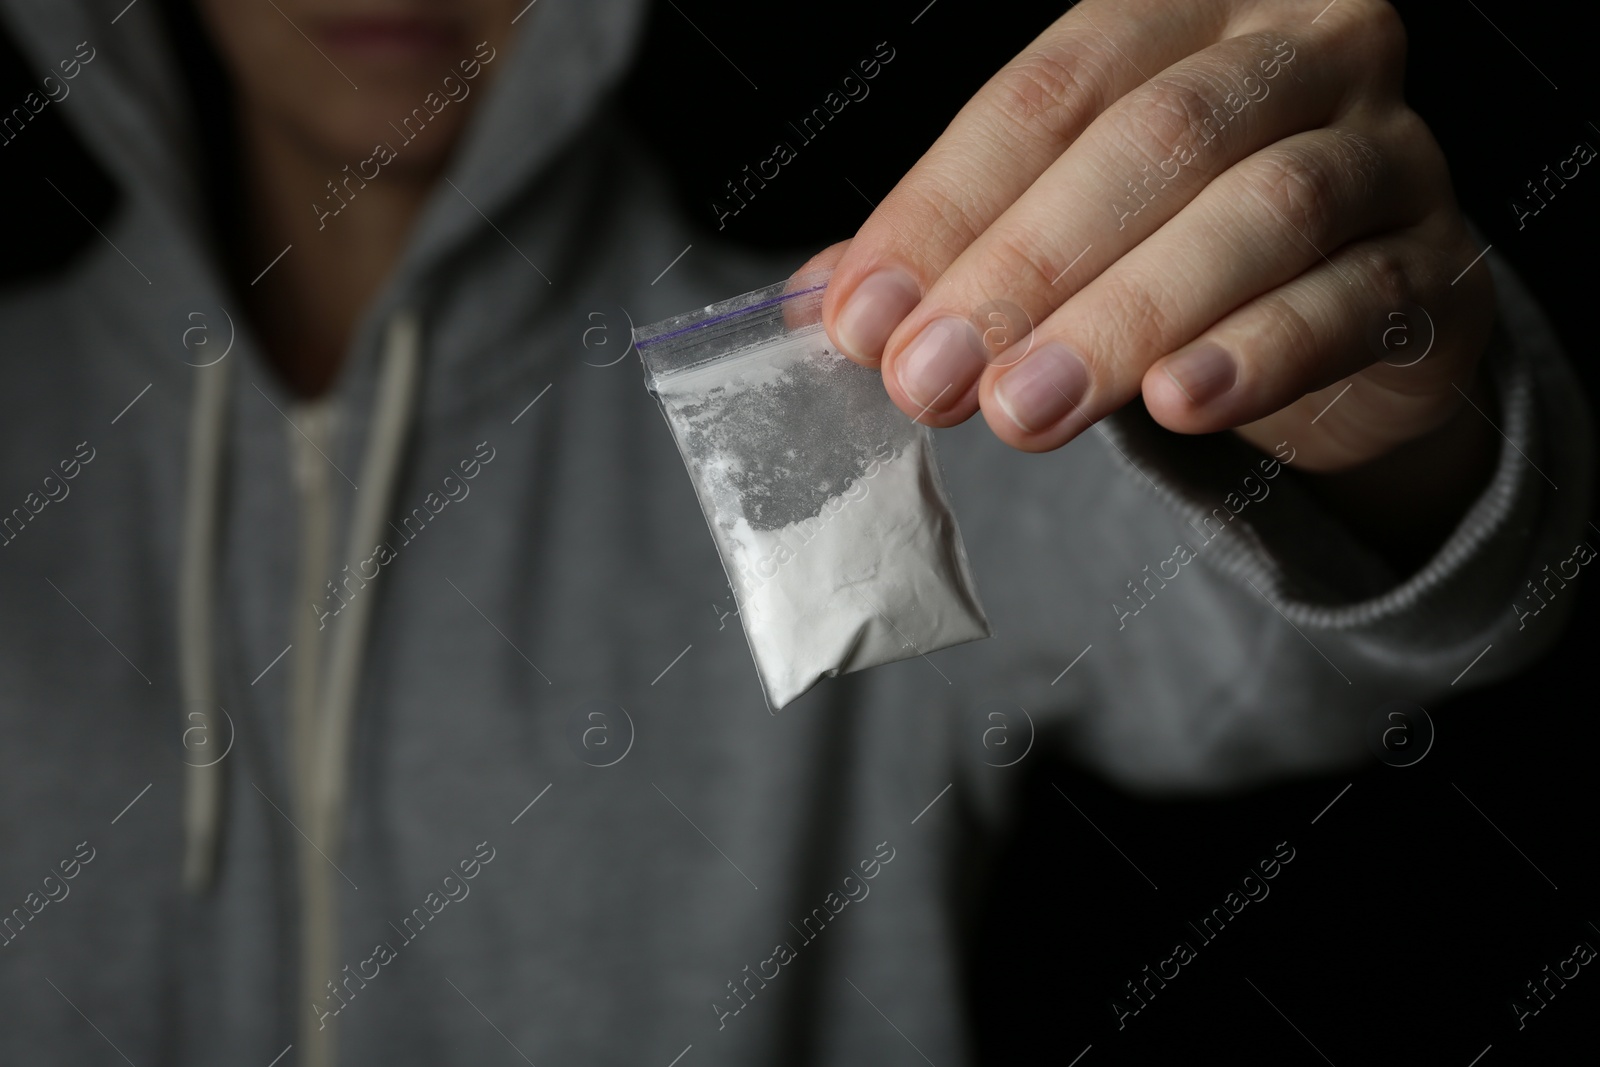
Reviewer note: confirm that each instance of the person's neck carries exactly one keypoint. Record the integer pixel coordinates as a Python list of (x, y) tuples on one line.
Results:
[(305, 307)]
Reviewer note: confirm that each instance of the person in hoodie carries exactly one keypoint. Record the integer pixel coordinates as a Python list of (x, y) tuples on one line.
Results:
[(372, 690)]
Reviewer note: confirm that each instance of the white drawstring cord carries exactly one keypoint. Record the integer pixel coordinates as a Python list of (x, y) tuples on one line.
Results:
[(393, 409), (380, 470), (202, 800)]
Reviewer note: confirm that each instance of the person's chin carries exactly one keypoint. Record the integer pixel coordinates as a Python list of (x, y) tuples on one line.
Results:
[(383, 139)]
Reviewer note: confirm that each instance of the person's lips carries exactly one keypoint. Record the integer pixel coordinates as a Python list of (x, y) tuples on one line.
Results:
[(390, 37)]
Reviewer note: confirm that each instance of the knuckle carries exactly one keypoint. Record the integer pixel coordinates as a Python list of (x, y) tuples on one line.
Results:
[(1384, 33), (939, 212), (1140, 326), (1300, 188), (1293, 337), (1015, 260), (1043, 89), (1386, 275), (1407, 127), (1172, 109), (1372, 32), (1426, 158)]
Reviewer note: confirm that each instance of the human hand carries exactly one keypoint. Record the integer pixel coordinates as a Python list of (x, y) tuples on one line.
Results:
[(1209, 202)]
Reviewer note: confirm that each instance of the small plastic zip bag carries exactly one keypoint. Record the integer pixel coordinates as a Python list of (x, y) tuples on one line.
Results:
[(825, 501)]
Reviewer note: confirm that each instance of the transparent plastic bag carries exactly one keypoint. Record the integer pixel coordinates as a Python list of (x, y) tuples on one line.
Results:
[(824, 499)]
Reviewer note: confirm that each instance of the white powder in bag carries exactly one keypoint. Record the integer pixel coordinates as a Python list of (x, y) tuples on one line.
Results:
[(827, 506)]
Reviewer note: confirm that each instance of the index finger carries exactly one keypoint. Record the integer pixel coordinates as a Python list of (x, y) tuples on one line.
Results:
[(998, 144)]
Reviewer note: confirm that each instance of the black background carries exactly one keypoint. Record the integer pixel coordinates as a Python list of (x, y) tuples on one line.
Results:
[(1407, 922)]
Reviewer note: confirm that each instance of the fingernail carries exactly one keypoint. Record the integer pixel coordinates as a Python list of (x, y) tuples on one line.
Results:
[(1046, 386), (936, 368), (1202, 373), (878, 305)]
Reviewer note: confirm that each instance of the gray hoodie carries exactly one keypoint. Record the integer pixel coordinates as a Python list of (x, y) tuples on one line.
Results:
[(509, 779)]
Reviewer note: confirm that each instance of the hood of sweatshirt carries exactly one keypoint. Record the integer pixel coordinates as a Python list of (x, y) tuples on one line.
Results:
[(128, 105)]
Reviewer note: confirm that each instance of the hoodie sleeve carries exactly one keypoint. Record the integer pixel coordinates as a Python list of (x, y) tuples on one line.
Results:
[(1281, 651)]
